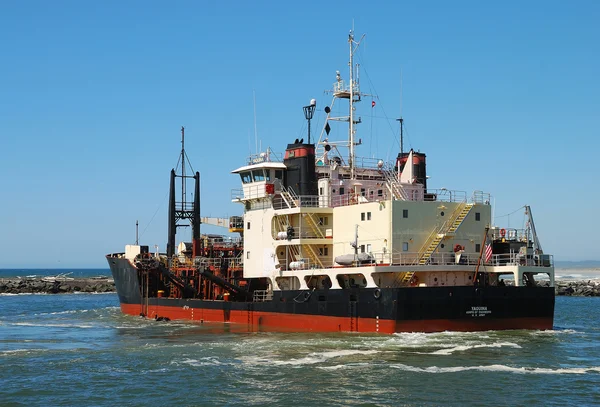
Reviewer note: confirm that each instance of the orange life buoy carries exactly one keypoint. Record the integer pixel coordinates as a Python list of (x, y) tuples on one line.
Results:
[(502, 232)]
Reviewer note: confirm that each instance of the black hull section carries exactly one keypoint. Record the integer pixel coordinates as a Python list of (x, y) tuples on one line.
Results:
[(126, 280), (404, 306)]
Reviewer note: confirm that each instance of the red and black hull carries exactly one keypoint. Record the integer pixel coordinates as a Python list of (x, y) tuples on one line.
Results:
[(386, 310)]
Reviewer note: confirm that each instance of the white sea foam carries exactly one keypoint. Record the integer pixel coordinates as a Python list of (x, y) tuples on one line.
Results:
[(460, 348), (319, 357), (340, 367), (497, 368), (554, 332), (423, 342), (18, 351), (206, 361), (73, 311), (312, 358), (570, 274), (53, 325)]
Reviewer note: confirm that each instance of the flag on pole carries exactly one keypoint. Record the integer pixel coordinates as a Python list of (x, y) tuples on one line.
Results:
[(488, 252), (372, 103)]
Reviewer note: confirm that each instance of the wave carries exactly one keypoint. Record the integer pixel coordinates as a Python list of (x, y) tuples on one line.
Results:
[(20, 351), (206, 361), (554, 332), (71, 311), (316, 357), (339, 367), (459, 348), (497, 368), (52, 325)]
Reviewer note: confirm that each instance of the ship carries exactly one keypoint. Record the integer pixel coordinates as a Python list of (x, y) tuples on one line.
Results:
[(329, 241)]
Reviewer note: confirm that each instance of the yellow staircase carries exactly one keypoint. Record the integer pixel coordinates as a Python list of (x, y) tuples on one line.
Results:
[(314, 225), (283, 223), (314, 258), (461, 216), (406, 277), (436, 237)]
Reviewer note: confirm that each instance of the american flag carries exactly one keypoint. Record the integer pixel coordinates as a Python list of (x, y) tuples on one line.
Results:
[(488, 252)]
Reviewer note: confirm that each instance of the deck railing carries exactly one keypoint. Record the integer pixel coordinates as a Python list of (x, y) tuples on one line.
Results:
[(262, 295)]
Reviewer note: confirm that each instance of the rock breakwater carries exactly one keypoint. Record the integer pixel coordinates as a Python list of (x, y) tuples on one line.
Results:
[(582, 288), (58, 286), (587, 288)]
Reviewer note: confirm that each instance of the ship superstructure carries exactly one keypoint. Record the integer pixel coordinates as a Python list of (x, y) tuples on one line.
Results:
[(331, 241)]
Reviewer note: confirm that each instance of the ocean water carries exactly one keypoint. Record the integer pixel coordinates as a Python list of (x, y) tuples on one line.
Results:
[(78, 349)]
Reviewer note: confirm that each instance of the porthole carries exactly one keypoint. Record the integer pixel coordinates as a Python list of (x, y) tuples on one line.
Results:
[(442, 245), (442, 213)]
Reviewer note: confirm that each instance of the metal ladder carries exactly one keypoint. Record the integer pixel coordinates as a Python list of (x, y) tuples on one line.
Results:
[(314, 225), (437, 235), (394, 186), (289, 197)]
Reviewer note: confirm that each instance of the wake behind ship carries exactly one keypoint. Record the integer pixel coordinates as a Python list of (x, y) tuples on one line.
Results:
[(334, 242)]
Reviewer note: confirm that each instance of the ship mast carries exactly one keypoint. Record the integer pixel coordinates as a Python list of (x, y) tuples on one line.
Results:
[(351, 127), (345, 90), (354, 91), (182, 211), (183, 167)]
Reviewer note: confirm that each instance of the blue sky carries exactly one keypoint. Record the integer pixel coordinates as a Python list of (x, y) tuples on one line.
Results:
[(502, 97)]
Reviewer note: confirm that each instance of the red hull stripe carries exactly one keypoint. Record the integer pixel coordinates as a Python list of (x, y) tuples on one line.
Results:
[(270, 321)]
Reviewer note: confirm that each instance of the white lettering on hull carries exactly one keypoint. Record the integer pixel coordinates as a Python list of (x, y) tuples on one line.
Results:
[(478, 311)]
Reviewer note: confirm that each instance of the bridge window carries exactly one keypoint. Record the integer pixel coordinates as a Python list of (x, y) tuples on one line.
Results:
[(258, 175), (477, 216), (279, 174), (405, 246), (341, 190), (380, 192), (246, 177), (248, 226), (405, 213), (477, 248), (368, 215), (248, 255)]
